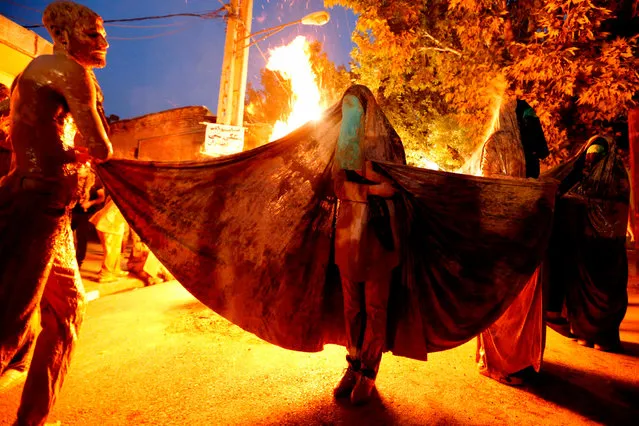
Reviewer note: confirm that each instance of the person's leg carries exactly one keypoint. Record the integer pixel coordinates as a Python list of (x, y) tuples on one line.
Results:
[(22, 358), (125, 238), (26, 258), (62, 308), (82, 236), (16, 371), (354, 321), (376, 299), (112, 246)]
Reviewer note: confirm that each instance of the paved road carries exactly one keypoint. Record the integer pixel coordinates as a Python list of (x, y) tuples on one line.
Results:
[(157, 356)]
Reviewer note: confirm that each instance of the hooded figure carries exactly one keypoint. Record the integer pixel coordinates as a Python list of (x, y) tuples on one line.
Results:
[(532, 138), (514, 344), (366, 245), (588, 259)]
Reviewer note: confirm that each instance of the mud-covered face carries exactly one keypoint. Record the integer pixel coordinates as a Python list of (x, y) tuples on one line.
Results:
[(87, 43)]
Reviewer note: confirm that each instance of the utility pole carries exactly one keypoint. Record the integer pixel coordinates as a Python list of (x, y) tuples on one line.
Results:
[(230, 109), (226, 135)]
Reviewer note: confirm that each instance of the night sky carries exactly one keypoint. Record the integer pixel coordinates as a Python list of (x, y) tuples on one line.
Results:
[(181, 64)]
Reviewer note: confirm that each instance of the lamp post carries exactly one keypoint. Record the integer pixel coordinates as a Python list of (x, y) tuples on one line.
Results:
[(230, 107), (316, 18)]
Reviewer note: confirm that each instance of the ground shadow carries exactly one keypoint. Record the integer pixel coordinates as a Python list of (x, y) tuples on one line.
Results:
[(600, 398), (376, 412), (631, 349), (342, 412)]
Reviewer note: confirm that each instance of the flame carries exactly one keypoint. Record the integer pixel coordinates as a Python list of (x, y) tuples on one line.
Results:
[(293, 61), (425, 163), (69, 131)]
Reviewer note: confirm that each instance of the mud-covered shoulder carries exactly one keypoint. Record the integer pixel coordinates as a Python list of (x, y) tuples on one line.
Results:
[(55, 69)]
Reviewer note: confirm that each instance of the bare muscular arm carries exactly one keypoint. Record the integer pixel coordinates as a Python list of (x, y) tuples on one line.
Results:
[(76, 85)]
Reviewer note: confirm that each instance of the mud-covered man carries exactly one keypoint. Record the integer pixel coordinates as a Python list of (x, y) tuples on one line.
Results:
[(38, 269)]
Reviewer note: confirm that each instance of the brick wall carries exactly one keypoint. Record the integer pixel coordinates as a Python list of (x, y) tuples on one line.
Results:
[(173, 135)]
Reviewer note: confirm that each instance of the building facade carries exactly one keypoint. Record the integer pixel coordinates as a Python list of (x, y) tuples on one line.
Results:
[(18, 46)]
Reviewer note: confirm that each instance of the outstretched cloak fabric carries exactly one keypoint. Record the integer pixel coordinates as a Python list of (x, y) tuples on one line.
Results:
[(251, 235)]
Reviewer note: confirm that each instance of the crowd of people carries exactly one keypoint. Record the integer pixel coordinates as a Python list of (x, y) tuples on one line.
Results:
[(51, 190)]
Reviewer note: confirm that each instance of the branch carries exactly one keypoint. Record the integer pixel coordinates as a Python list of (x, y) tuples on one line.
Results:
[(439, 43), (440, 49)]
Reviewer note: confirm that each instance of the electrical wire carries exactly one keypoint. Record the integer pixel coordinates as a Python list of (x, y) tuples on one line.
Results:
[(203, 15), (259, 49), (175, 24), (15, 3), (150, 36)]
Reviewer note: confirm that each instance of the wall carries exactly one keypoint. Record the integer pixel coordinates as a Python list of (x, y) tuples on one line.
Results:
[(18, 46), (173, 135)]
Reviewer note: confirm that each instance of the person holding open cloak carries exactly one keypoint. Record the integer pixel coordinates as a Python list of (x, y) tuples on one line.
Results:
[(38, 268), (588, 259), (366, 245), (514, 345)]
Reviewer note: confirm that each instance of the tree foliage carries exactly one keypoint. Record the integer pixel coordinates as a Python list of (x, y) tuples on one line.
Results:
[(272, 101), (436, 62)]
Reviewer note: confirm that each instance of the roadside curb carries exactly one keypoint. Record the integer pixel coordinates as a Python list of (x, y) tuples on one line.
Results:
[(92, 295), (95, 290)]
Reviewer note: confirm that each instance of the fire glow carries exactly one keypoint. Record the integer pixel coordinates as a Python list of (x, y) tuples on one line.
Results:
[(293, 62), (69, 131)]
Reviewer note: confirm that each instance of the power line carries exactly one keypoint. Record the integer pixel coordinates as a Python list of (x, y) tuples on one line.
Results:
[(150, 36), (15, 3), (175, 24), (203, 15)]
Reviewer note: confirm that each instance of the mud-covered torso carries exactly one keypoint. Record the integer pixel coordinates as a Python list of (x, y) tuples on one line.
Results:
[(42, 129), (42, 136)]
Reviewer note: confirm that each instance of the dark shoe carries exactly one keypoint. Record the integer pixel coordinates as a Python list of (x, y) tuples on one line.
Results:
[(585, 343), (609, 348), (362, 391), (516, 379), (346, 385), (511, 380)]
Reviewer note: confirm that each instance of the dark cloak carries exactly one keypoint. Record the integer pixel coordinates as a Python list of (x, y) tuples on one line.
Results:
[(250, 236), (588, 264)]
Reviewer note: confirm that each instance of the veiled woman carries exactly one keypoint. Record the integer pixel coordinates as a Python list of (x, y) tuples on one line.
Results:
[(513, 346), (589, 265)]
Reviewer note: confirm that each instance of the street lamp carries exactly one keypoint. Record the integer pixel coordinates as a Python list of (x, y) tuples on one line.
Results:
[(230, 109), (316, 18)]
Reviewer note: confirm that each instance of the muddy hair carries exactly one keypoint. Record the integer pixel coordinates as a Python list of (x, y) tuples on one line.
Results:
[(4, 92), (63, 15)]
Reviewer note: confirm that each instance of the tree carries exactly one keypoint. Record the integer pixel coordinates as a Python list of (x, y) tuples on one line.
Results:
[(271, 102), (448, 61)]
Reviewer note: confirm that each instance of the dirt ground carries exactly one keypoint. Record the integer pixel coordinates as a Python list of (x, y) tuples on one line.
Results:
[(157, 356)]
